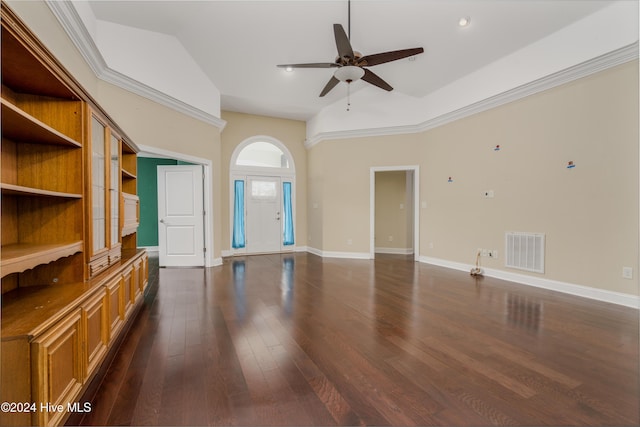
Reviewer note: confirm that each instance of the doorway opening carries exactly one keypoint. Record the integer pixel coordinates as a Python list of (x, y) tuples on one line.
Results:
[(394, 216), (151, 187), (262, 197)]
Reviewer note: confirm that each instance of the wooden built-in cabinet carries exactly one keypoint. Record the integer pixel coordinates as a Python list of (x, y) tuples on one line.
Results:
[(72, 276), (95, 322), (130, 204), (57, 365), (103, 191)]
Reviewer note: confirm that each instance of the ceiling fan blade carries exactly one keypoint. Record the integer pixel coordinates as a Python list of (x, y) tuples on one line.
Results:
[(310, 65), (342, 42), (374, 79), (330, 85), (381, 58)]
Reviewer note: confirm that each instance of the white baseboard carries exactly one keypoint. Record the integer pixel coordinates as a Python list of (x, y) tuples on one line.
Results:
[(314, 251), (150, 248), (332, 254), (226, 253), (394, 251), (619, 298)]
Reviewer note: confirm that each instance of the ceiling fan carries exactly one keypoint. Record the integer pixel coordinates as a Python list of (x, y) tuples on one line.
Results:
[(351, 64)]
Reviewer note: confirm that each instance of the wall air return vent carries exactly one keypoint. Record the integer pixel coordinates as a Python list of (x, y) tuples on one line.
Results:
[(525, 251)]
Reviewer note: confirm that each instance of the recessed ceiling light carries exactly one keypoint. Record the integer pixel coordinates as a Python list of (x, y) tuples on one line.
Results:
[(464, 21)]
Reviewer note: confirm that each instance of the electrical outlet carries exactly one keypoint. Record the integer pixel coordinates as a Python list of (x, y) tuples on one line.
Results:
[(627, 272), (391, 238), (349, 241)]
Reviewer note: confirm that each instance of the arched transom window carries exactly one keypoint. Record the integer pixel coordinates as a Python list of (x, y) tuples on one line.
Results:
[(263, 154)]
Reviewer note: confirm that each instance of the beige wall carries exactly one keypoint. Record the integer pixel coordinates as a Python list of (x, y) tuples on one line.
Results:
[(589, 213), (343, 194), (291, 133), (391, 211)]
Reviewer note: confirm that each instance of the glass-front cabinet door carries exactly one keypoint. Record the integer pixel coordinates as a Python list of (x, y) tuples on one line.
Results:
[(114, 198), (104, 178), (98, 187)]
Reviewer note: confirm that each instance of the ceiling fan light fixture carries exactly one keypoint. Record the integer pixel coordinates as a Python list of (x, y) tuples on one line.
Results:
[(288, 69), (349, 73)]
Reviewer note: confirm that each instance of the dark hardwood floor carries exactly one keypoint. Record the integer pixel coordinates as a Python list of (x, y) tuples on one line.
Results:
[(300, 340)]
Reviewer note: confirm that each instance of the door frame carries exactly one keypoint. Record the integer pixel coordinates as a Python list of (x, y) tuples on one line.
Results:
[(209, 217), (245, 177), (242, 172), (416, 206)]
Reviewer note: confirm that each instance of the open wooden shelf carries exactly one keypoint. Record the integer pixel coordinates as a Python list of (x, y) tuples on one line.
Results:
[(127, 174), (20, 257), (20, 126), (19, 190)]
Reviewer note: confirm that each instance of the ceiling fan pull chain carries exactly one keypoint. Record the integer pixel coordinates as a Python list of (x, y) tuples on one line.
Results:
[(348, 96)]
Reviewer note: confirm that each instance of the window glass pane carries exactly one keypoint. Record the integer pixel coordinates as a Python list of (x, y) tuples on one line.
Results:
[(263, 189), (98, 185), (113, 190), (262, 154)]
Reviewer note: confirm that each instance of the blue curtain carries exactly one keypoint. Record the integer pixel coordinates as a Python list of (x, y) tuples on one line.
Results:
[(238, 240), (288, 214)]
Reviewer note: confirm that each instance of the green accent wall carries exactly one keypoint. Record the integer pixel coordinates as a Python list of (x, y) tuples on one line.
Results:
[(148, 193)]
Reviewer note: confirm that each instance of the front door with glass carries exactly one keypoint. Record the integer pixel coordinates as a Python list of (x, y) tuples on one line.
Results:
[(264, 214)]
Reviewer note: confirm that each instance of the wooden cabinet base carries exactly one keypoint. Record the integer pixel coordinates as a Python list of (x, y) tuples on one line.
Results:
[(49, 361)]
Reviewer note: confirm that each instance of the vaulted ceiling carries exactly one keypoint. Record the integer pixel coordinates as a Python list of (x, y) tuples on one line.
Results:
[(230, 49)]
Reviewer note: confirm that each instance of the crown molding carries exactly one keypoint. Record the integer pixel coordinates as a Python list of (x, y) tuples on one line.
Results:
[(617, 57), (122, 81), (73, 25)]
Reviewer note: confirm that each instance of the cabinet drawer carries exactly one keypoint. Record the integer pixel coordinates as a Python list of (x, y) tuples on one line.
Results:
[(99, 264), (115, 255), (57, 367)]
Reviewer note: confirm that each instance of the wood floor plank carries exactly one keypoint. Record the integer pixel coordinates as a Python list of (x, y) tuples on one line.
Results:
[(295, 339)]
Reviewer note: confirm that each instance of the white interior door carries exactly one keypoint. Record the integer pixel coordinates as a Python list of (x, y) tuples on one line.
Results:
[(180, 216), (264, 214)]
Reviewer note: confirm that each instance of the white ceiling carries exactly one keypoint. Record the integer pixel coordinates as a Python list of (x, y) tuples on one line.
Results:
[(238, 44)]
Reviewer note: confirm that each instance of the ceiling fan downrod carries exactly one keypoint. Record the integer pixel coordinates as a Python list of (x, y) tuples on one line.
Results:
[(349, 37), (349, 19)]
